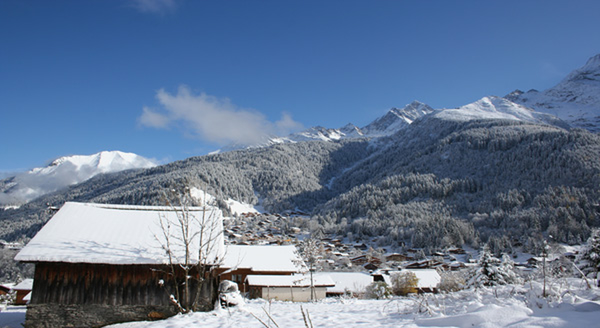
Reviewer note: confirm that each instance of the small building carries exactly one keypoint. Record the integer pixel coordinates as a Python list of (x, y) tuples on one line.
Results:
[(6, 289), (23, 289), (347, 283), (397, 257), (428, 280), (424, 264), (99, 264), (296, 288), (241, 261)]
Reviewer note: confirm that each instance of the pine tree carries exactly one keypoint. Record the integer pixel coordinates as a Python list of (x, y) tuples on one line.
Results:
[(492, 271), (589, 258)]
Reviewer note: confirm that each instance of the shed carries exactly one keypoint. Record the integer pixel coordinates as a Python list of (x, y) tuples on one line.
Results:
[(97, 264), (243, 260), (296, 288)]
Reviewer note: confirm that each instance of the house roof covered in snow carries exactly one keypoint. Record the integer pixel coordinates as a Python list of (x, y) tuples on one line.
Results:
[(354, 282), (262, 258), (427, 278), (289, 281), (122, 234), (26, 284)]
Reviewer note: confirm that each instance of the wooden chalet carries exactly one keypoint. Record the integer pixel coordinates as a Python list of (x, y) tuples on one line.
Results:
[(101, 264), (241, 261), (424, 264), (396, 257), (22, 289)]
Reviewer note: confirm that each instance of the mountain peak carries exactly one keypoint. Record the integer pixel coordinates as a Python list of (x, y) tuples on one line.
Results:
[(493, 107), (593, 62), (68, 170), (396, 119), (576, 99), (588, 72)]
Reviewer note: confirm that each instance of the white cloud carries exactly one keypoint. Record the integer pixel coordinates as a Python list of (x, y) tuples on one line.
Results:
[(214, 119), (153, 119), (154, 6)]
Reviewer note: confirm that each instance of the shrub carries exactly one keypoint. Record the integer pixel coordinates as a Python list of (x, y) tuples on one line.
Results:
[(378, 290)]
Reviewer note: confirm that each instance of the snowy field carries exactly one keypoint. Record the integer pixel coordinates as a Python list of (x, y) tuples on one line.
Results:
[(570, 304), (507, 306)]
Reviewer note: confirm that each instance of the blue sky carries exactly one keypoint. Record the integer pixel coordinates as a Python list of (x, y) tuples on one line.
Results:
[(170, 79)]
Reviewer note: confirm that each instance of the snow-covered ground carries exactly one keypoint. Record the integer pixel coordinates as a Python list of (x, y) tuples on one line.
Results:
[(12, 316), (570, 305)]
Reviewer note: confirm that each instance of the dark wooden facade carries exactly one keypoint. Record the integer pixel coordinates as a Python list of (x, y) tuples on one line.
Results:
[(106, 294)]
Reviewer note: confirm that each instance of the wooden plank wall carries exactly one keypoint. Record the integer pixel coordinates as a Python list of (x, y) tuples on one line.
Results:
[(67, 283)]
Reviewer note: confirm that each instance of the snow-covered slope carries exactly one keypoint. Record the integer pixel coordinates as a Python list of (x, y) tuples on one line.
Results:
[(66, 171), (396, 119), (390, 123), (576, 99), (493, 107)]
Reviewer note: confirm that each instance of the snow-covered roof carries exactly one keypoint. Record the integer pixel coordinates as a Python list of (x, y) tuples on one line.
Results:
[(428, 278), (355, 282), (298, 280), (123, 234), (26, 284), (262, 258)]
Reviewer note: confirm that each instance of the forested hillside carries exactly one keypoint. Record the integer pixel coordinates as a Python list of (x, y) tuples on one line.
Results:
[(441, 183), (434, 184)]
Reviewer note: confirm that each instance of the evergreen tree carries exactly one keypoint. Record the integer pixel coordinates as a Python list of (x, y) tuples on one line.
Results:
[(492, 271), (589, 258)]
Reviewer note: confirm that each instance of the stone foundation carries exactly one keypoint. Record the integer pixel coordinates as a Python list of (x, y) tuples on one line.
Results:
[(91, 315)]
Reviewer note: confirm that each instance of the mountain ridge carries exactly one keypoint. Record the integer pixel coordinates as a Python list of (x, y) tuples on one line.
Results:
[(575, 99), (65, 171)]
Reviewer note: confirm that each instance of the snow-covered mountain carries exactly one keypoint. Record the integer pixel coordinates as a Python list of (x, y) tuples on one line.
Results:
[(66, 171), (576, 99), (393, 121), (396, 119), (493, 107)]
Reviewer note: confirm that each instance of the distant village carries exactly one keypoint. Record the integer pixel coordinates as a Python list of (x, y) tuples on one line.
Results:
[(95, 255)]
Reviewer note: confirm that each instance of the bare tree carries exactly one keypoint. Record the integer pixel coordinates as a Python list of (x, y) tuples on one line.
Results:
[(309, 251), (192, 238)]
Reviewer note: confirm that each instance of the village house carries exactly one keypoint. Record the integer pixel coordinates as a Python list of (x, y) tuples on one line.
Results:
[(424, 264), (23, 291), (100, 264), (241, 261), (296, 288), (351, 284), (396, 257), (428, 280), (6, 289)]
